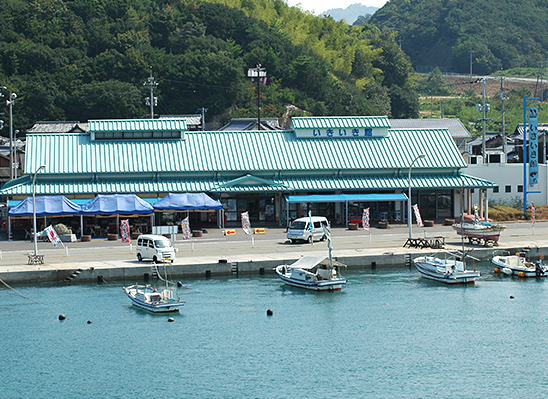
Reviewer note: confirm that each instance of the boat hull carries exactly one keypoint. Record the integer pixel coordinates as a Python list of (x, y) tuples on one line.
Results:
[(479, 232), (165, 306), (430, 268), (511, 266), (326, 285)]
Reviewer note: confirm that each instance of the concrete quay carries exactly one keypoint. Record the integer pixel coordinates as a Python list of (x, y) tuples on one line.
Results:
[(215, 254)]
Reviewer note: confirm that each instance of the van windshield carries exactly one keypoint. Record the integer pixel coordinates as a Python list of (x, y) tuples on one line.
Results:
[(162, 243), (298, 225)]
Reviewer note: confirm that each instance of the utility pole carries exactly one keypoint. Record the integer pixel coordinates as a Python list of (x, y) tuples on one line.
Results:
[(257, 73), (152, 101), (483, 124), (203, 112), (10, 102), (504, 149), (471, 52)]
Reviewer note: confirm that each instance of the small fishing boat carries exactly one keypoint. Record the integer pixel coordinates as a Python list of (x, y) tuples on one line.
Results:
[(148, 298), (316, 273), (448, 270), (519, 265)]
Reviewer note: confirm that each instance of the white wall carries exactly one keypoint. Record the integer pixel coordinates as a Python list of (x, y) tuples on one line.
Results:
[(509, 175)]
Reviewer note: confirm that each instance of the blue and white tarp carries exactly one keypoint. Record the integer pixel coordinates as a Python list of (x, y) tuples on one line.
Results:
[(117, 204), (187, 202), (46, 206)]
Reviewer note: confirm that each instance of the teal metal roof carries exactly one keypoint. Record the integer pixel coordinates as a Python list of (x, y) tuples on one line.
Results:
[(241, 152), (22, 186), (137, 125), (343, 122)]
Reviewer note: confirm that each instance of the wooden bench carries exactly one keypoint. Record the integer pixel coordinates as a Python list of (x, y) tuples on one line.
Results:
[(35, 259)]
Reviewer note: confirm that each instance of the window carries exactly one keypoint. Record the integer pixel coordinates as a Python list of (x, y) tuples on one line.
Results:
[(496, 189), (508, 189), (520, 189), (473, 160), (472, 190)]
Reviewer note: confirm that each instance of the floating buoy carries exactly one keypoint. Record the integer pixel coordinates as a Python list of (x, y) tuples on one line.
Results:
[(179, 284), (171, 319), (62, 317), (89, 321), (269, 312), (511, 296), (521, 274), (497, 270)]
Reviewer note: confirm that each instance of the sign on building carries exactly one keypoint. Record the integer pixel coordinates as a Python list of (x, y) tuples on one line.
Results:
[(533, 146)]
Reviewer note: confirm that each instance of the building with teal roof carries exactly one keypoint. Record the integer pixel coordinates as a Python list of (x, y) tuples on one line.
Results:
[(254, 170)]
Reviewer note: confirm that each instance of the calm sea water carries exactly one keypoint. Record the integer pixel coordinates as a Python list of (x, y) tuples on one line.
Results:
[(388, 334)]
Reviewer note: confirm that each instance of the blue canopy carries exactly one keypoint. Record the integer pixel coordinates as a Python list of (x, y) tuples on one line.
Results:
[(46, 206), (117, 204), (187, 202)]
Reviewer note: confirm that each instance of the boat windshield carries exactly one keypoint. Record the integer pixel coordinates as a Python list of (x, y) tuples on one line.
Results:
[(298, 225), (162, 243)]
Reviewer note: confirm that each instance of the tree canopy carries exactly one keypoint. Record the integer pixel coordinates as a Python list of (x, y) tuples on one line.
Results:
[(88, 59)]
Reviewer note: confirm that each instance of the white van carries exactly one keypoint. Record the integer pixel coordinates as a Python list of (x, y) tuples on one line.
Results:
[(157, 248), (300, 229)]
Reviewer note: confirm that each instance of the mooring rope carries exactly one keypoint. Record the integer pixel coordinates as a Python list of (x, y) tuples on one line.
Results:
[(18, 293)]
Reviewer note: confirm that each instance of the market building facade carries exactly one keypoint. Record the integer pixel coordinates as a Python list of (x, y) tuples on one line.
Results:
[(262, 172)]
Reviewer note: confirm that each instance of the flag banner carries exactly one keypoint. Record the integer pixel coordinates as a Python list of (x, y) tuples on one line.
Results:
[(417, 215), (124, 230), (185, 228), (246, 225), (52, 235), (365, 219), (533, 212), (533, 145)]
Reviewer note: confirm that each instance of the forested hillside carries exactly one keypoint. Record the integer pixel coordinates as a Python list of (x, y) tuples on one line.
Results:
[(445, 33), (88, 59)]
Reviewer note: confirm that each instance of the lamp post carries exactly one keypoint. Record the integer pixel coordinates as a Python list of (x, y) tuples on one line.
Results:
[(34, 207), (409, 218)]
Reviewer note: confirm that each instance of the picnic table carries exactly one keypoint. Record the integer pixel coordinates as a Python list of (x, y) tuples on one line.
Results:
[(425, 242)]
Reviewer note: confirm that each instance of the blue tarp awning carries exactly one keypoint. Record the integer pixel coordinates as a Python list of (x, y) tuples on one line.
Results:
[(117, 204), (347, 198), (46, 206), (187, 202)]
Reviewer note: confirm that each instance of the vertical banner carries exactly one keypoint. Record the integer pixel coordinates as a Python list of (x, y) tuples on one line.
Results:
[(365, 219), (185, 228), (52, 235), (417, 215), (533, 145), (124, 230), (533, 212), (246, 225)]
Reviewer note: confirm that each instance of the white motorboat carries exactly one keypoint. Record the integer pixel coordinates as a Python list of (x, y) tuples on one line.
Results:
[(148, 298), (519, 265), (316, 273), (447, 270)]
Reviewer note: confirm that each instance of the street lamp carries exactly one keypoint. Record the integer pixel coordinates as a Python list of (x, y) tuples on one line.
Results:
[(34, 207), (409, 218)]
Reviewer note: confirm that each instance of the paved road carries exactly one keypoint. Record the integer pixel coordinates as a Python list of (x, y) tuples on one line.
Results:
[(272, 245)]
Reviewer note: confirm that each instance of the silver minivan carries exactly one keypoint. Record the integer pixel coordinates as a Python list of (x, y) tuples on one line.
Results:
[(301, 229), (157, 248)]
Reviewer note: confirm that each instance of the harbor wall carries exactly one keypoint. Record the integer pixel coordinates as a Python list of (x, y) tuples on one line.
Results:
[(111, 271)]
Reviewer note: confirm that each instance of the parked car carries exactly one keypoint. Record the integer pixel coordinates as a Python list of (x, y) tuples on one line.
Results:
[(301, 230), (154, 247)]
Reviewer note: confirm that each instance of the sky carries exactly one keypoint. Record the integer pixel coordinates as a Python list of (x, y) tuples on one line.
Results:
[(319, 6)]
